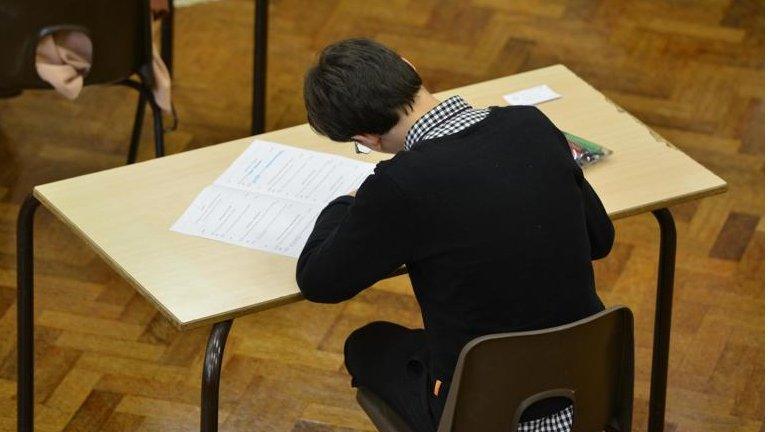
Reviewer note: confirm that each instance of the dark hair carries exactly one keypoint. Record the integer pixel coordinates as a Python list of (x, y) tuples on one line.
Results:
[(358, 86)]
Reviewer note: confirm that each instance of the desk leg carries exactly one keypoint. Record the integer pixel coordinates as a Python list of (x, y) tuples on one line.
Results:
[(209, 398), (663, 320), (259, 99), (25, 331), (137, 125)]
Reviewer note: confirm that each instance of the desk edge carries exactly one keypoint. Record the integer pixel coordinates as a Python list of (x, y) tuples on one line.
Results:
[(115, 266), (715, 190)]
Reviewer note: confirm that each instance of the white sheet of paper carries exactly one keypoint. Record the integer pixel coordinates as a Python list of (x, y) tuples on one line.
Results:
[(270, 196), (532, 96), (294, 173)]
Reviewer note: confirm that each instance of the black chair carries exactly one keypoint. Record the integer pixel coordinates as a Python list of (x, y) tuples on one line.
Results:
[(590, 362), (121, 34)]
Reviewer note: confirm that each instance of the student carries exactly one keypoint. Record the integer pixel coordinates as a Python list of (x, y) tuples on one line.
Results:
[(485, 206)]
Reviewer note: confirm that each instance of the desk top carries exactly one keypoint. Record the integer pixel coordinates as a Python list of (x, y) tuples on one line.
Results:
[(125, 213)]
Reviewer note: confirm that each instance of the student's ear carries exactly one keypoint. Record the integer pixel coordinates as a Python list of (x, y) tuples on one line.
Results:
[(371, 141)]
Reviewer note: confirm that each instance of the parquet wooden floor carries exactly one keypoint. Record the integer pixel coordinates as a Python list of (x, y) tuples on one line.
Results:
[(107, 361)]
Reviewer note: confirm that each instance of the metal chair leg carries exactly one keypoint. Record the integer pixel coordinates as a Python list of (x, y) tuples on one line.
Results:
[(157, 115), (157, 121), (209, 397), (25, 330), (663, 319), (137, 124)]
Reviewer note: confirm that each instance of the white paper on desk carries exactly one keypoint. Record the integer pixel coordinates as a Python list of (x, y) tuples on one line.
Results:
[(532, 96), (270, 196)]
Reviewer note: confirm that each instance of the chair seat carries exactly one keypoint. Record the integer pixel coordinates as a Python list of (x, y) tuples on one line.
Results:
[(383, 417)]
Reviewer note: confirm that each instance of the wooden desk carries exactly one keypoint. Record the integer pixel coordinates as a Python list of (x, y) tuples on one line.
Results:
[(125, 214)]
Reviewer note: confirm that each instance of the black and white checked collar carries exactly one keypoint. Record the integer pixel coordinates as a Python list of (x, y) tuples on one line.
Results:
[(560, 421), (448, 117)]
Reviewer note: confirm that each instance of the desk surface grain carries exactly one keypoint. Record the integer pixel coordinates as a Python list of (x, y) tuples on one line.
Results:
[(125, 213)]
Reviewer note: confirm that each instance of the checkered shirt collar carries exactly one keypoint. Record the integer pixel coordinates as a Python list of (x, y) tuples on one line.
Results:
[(434, 117)]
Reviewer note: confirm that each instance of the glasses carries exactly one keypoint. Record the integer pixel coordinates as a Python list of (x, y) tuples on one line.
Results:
[(361, 149)]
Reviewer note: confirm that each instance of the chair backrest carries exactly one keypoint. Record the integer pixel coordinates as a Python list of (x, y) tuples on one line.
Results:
[(590, 361), (120, 32)]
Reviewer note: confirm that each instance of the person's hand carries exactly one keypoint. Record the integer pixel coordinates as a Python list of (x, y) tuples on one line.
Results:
[(353, 193)]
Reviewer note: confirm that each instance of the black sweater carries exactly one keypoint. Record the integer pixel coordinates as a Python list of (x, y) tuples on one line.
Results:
[(496, 224)]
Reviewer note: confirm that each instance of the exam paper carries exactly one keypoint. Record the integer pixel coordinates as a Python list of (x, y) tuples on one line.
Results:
[(249, 219), (532, 96), (294, 173), (270, 197)]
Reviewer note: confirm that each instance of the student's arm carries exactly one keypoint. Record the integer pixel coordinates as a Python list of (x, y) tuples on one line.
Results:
[(356, 242), (599, 225)]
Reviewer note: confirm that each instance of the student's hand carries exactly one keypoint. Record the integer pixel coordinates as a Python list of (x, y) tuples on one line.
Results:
[(353, 193)]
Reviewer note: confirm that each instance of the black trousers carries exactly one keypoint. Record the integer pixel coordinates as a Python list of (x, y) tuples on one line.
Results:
[(392, 361)]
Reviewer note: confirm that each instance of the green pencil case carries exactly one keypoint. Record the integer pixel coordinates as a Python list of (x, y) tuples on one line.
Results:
[(585, 152)]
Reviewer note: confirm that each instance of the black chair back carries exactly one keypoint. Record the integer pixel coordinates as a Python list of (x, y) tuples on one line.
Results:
[(120, 31), (590, 361)]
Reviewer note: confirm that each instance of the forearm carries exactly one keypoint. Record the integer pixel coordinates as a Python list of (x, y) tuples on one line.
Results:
[(311, 275), (599, 225), (356, 242)]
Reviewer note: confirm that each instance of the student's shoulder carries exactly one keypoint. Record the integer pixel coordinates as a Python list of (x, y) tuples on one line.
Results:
[(525, 118), (401, 160), (521, 112), (402, 169)]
